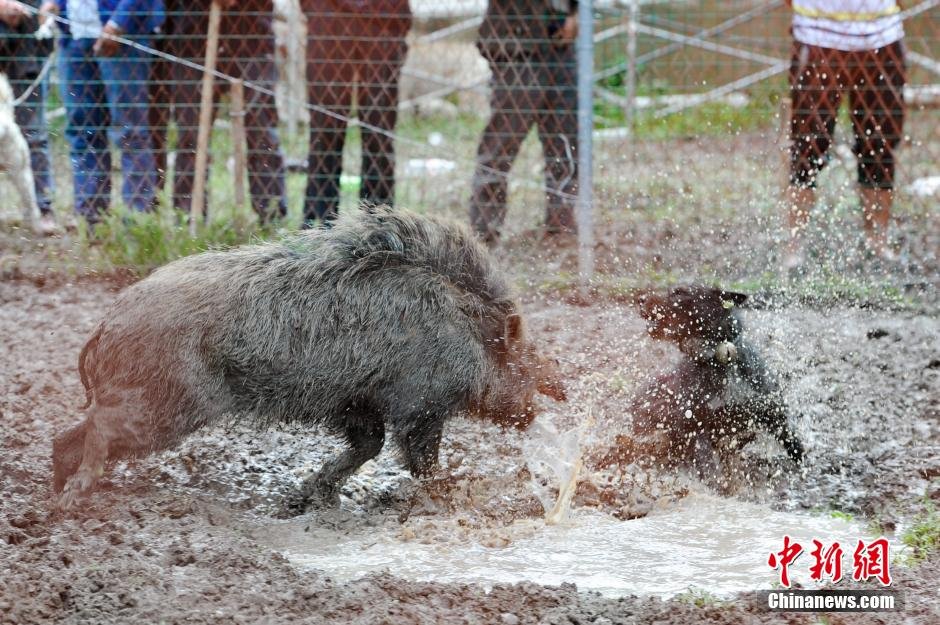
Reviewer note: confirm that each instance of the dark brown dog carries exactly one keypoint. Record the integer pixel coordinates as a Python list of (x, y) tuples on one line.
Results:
[(721, 392)]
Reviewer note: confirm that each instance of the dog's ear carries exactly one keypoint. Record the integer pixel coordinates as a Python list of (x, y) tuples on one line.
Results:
[(735, 298), (648, 303)]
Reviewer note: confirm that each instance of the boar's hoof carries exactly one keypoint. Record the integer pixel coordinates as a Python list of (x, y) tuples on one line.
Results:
[(298, 502)]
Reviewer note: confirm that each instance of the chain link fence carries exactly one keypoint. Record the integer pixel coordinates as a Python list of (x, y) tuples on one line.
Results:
[(455, 107)]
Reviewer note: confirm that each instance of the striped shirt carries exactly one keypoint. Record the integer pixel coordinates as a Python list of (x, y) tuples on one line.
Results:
[(85, 19), (847, 24)]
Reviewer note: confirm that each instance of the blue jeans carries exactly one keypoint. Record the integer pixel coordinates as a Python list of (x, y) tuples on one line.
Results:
[(107, 96), (31, 118)]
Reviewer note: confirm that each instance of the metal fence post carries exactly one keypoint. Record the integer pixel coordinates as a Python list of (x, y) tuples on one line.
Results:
[(585, 217), (630, 109)]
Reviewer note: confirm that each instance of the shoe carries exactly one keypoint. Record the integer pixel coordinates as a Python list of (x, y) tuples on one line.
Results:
[(560, 238), (47, 226), (794, 265), (886, 255), (883, 263), (553, 237)]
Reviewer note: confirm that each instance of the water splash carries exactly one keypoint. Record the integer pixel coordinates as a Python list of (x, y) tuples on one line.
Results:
[(553, 459)]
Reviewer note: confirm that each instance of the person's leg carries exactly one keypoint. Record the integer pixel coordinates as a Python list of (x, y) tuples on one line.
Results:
[(378, 107), (511, 116), (877, 111), (126, 77), (800, 201), (876, 217), (159, 113), (186, 94), (265, 159), (815, 97), (86, 128), (330, 77), (558, 132)]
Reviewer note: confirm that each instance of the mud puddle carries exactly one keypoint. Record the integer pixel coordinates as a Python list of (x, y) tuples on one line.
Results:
[(706, 542)]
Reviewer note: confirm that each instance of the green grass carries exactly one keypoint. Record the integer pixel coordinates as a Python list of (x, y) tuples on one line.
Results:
[(709, 119), (922, 538), (699, 597), (842, 516), (142, 242)]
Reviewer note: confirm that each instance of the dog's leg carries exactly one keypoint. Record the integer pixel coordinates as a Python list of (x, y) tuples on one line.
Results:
[(26, 188), (705, 460), (770, 408)]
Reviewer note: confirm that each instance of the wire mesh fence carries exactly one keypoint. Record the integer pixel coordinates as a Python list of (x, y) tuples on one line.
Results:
[(469, 108)]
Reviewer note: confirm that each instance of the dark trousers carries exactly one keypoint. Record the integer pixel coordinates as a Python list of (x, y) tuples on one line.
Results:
[(873, 82), (536, 90), (265, 160), (346, 53), (161, 102)]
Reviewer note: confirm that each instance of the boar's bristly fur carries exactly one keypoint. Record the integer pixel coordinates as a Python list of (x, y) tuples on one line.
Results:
[(387, 323)]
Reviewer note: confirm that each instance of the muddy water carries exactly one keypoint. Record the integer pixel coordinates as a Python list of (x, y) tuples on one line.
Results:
[(707, 542)]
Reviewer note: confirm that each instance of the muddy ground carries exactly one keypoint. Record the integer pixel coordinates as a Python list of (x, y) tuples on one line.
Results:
[(180, 537)]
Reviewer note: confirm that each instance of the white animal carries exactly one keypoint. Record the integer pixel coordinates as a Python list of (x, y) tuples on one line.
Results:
[(14, 158)]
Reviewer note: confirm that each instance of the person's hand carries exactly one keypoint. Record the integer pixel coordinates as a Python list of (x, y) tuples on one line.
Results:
[(46, 10), (105, 46), (12, 13), (569, 31)]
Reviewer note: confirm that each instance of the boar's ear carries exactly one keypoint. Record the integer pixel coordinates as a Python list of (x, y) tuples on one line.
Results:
[(512, 332)]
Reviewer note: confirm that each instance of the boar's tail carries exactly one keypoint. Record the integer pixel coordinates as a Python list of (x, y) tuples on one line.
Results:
[(83, 373)]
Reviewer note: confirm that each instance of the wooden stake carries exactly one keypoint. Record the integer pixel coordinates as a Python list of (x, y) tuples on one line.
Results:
[(783, 138), (205, 118), (237, 114)]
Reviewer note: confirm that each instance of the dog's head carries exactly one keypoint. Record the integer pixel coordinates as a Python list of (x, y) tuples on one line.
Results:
[(702, 321), (6, 96)]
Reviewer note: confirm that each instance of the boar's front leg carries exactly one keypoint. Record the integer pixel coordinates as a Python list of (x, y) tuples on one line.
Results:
[(421, 442), (365, 440)]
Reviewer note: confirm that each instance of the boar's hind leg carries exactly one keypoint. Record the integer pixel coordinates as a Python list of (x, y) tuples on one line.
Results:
[(93, 458), (111, 431), (365, 440)]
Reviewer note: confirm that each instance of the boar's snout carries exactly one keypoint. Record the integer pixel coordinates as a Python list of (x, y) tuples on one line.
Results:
[(543, 377), (549, 381)]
